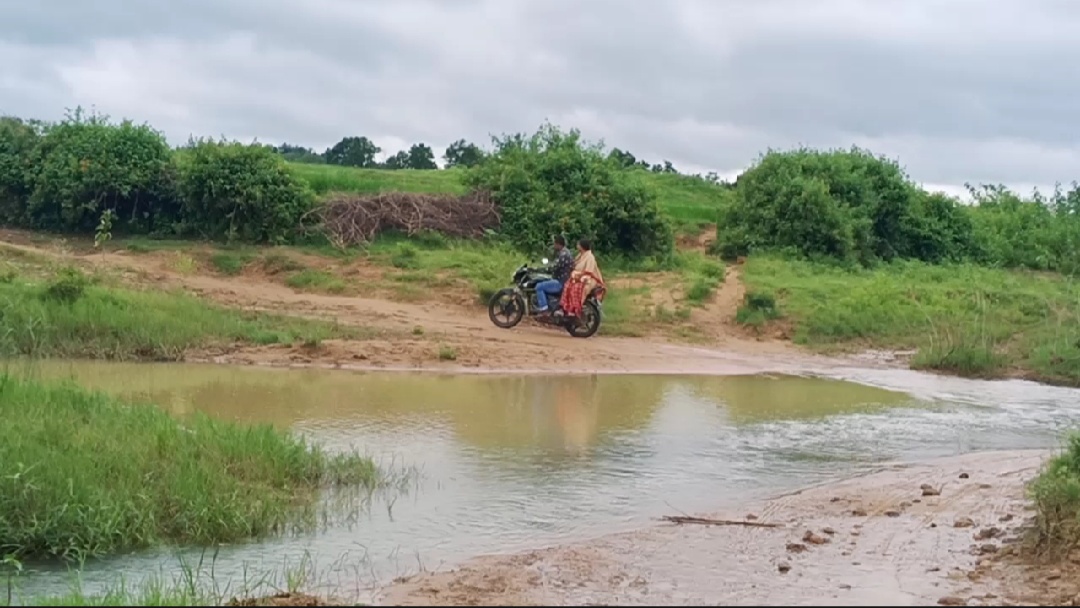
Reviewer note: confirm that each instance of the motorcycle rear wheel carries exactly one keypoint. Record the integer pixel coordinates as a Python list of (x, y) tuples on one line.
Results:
[(588, 323), (506, 308)]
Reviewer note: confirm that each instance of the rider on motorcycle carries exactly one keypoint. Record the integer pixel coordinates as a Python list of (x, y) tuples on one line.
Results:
[(560, 270)]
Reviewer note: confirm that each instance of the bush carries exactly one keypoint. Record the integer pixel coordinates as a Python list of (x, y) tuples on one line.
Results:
[(1037, 233), (240, 192), (17, 141), (84, 165), (846, 205), (552, 182)]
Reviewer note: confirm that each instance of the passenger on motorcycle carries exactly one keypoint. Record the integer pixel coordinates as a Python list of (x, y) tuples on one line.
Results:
[(560, 271)]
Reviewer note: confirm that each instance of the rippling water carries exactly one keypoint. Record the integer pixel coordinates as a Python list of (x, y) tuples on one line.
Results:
[(508, 463)]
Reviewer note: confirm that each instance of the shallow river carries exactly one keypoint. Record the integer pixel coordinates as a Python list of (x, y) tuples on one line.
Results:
[(511, 463)]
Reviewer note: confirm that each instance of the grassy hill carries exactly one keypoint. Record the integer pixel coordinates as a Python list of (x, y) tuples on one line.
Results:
[(690, 202)]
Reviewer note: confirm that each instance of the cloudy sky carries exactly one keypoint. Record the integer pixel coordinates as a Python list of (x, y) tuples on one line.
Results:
[(958, 90)]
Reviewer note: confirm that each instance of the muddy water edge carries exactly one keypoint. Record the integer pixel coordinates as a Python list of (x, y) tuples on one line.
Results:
[(506, 464)]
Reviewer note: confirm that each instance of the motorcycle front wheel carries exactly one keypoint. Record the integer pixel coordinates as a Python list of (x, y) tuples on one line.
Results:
[(506, 308), (588, 323)]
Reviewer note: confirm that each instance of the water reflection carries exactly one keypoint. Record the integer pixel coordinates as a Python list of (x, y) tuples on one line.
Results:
[(514, 462)]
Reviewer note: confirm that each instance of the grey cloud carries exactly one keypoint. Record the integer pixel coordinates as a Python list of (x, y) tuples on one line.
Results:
[(960, 90)]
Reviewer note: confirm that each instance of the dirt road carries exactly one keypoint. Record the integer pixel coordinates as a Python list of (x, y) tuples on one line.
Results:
[(411, 335)]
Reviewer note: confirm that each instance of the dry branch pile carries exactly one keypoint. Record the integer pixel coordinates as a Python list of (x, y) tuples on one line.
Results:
[(354, 219)]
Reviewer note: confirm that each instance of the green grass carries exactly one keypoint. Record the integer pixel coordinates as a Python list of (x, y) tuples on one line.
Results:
[(316, 280), (330, 178), (231, 262), (964, 319), (691, 203), (1056, 494), (702, 275), (82, 474), (69, 316), (447, 353)]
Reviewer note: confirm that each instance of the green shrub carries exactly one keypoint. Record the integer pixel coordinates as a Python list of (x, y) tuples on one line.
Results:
[(17, 142), (1038, 233), (843, 205), (240, 192), (85, 165), (67, 287), (552, 182)]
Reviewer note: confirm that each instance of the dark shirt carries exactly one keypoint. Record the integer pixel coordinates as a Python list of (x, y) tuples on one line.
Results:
[(563, 265)]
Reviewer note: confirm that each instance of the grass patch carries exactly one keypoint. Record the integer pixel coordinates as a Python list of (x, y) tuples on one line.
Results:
[(230, 263), (447, 353), (331, 178), (278, 263), (83, 475), (702, 276), (690, 203), (316, 280), (1056, 494), (756, 309), (963, 319), (69, 316)]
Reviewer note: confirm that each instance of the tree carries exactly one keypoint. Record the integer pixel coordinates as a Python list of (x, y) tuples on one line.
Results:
[(397, 161), (625, 159), (554, 183), (462, 154), (299, 154), (421, 156), (353, 152)]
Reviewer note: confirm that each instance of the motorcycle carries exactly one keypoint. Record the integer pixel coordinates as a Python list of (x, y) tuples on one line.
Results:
[(510, 305)]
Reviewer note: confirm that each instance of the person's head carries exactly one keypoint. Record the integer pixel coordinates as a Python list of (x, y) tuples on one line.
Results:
[(584, 245), (560, 242)]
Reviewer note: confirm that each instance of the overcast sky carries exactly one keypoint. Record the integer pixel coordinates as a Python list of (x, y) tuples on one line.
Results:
[(958, 90)]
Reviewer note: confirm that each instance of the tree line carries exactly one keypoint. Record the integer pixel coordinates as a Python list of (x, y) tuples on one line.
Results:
[(362, 152), (87, 171), (846, 206)]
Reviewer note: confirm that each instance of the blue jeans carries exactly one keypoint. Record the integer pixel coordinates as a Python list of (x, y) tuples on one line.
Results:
[(550, 287)]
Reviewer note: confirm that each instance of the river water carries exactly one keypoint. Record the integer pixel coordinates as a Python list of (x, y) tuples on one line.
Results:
[(506, 463)]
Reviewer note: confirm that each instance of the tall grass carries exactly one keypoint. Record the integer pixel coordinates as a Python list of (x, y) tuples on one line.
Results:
[(1056, 493), (964, 319), (69, 316), (194, 584), (82, 474)]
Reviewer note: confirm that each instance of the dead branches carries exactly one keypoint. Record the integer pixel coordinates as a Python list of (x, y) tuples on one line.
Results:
[(354, 219), (686, 519)]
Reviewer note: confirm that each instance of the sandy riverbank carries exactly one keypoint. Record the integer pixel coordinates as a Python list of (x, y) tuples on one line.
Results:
[(879, 539)]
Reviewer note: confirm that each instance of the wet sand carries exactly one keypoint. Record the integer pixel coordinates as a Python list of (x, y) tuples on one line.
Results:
[(879, 539)]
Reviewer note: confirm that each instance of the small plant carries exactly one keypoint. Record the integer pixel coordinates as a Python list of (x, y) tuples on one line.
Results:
[(418, 331), (68, 286), (276, 263), (231, 264), (103, 232), (407, 256), (757, 308), (447, 353), (183, 263)]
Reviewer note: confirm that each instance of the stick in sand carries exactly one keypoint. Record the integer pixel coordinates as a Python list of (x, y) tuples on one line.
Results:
[(686, 519)]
